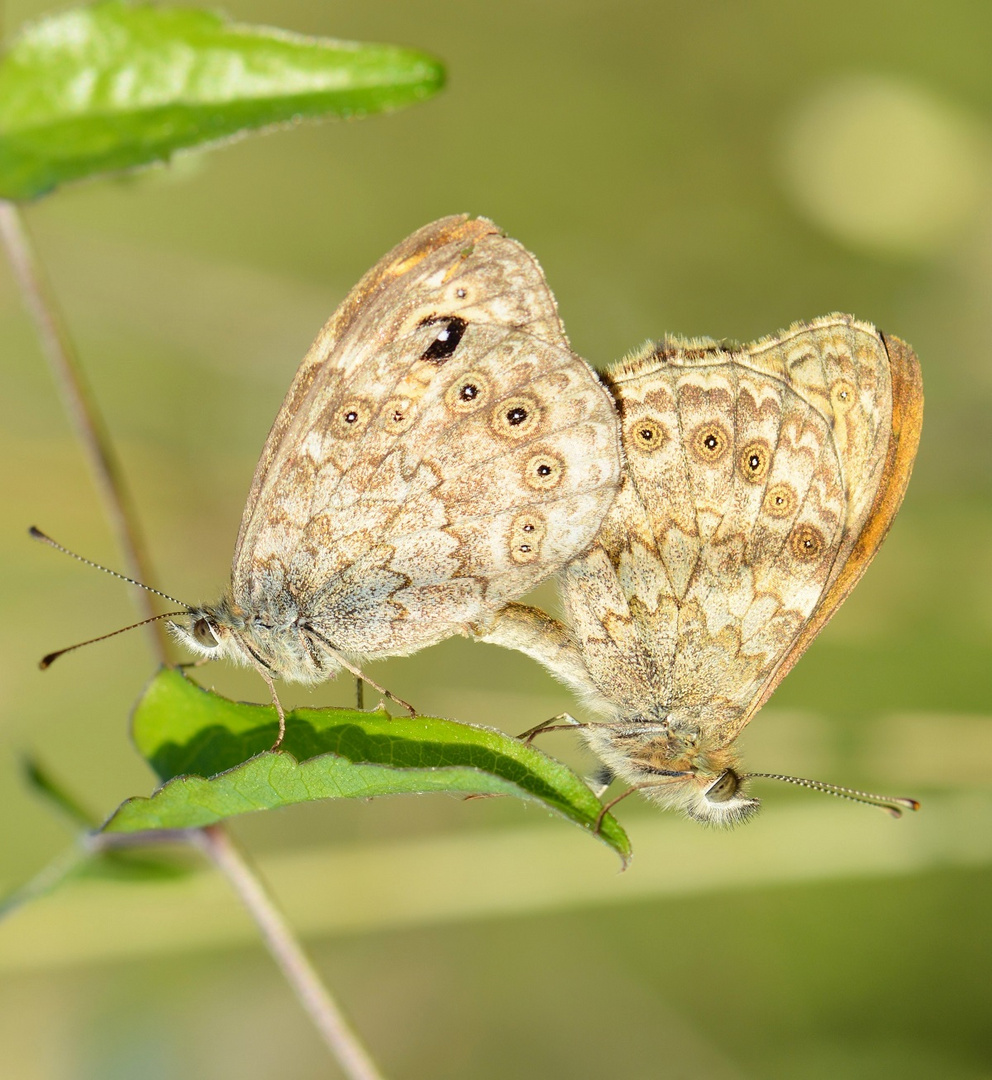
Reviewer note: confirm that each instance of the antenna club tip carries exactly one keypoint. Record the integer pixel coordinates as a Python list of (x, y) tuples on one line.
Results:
[(36, 533), (46, 661)]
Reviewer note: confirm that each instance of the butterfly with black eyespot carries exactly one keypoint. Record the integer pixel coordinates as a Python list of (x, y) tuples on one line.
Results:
[(440, 452)]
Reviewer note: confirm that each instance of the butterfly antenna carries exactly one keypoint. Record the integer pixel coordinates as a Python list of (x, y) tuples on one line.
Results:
[(47, 661), (893, 804), (37, 534)]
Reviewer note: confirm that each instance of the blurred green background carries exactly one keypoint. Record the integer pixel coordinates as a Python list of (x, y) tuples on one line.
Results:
[(712, 168)]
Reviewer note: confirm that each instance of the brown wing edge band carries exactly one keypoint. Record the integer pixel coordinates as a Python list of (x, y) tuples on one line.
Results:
[(907, 422)]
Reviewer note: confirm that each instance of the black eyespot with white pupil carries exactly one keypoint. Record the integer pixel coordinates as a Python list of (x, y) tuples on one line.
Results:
[(517, 418), (468, 392), (646, 434), (350, 417), (754, 461), (544, 470), (450, 330), (807, 543), (710, 443), (526, 535)]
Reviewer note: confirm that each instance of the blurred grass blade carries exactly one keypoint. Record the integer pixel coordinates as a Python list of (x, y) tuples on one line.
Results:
[(214, 756), (110, 87), (55, 794), (84, 860)]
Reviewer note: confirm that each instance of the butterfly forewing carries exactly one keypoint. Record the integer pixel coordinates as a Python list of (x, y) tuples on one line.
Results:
[(440, 452)]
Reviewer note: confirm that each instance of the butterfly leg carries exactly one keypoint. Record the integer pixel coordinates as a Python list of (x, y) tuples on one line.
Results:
[(607, 807), (561, 722), (280, 712), (194, 663), (359, 674)]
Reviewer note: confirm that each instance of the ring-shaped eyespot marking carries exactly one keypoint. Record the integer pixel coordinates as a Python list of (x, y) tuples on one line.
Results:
[(397, 415), (806, 543), (842, 396), (449, 331), (544, 471), (469, 392), (754, 461), (780, 501), (646, 434), (709, 443), (203, 634), (526, 533), (516, 417), (351, 418)]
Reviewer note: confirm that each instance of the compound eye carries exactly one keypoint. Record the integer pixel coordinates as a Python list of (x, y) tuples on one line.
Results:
[(204, 634), (724, 788)]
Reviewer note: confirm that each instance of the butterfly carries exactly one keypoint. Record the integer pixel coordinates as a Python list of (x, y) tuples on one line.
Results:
[(759, 482), (440, 451)]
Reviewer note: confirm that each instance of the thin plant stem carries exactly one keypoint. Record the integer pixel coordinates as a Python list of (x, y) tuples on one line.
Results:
[(288, 954), (45, 880), (82, 409), (213, 840)]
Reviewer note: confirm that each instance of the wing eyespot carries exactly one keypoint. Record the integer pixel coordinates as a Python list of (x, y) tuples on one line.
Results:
[(517, 417), (780, 501), (469, 392), (351, 418), (397, 415), (526, 534), (450, 331), (709, 443), (647, 434), (842, 396), (544, 471), (806, 543), (755, 461)]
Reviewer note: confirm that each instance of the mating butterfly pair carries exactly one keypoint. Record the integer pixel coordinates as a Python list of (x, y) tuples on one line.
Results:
[(442, 450)]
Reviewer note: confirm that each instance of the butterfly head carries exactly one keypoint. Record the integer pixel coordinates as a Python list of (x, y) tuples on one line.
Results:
[(279, 643), (672, 762), (720, 801), (212, 632)]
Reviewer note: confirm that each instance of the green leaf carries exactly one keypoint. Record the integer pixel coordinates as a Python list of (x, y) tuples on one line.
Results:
[(198, 742), (110, 87)]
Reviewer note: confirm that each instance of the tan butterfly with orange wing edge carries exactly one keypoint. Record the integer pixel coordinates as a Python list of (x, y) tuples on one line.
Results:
[(760, 482), (440, 451)]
